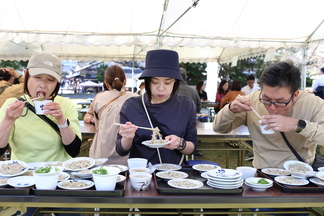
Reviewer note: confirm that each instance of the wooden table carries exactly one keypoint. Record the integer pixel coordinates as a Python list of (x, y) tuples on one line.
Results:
[(205, 104), (210, 140), (151, 199)]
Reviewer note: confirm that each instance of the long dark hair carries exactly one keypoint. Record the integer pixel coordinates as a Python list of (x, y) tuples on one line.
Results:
[(220, 87), (199, 84), (148, 89), (115, 76), (26, 90)]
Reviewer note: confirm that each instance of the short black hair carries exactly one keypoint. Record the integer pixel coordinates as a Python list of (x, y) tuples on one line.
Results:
[(250, 77), (281, 74)]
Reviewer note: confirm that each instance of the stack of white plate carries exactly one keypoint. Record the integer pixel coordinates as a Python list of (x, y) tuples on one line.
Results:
[(253, 183), (224, 178)]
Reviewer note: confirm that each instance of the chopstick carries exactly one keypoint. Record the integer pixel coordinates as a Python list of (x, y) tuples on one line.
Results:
[(253, 109), (33, 99), (145, 128)]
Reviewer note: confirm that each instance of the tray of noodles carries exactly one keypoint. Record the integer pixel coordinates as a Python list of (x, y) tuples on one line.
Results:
[(309, 188), (165, 189), (90, 192)]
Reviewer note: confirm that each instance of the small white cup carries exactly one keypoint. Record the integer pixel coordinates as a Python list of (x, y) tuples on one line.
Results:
[(139, 169), (264, 131), (247, 171), (136, 162), (140, 180), (106, 182), (39, 106), (46, 181)]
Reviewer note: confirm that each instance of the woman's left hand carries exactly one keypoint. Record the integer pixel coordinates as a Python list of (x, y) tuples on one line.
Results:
[(175, 142), (55, 111)]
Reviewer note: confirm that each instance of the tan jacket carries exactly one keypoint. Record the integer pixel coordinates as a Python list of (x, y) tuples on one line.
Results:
[(271, 151), (103, 145), (16, 90)]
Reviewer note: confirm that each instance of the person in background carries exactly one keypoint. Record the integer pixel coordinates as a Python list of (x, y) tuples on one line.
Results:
[(8, 88), (141, 89), (318, 85), (104, 112), (200, 87), (173, 114), (250, 87), (284, 108), (231, 95), (220, 94), (31, 139)]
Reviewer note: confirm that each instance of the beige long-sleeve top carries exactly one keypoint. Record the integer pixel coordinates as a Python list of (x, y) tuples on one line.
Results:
[(271, 150), (16, 90), (229, 97)]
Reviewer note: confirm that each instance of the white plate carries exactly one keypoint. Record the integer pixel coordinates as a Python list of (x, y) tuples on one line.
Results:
[(172, 172), (300, 182), (204, 175), (21, 181), (302, 175), (317, 181), (120, 178), (90, 163), (90, 184), (82, 175), (196, 184), (36, 165), (167, 166), (65, 175), (99, 162), (228, 187), (121, 167), (259, 186), (239, 181), (254, 182), (158, 145), (205, 167), (320, 175), (288, 166), (224, 174), (13, 163), (272, 172)]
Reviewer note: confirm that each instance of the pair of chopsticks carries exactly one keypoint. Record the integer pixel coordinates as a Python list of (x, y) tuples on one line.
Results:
[(145, 128), (33, 99), (253, 109)]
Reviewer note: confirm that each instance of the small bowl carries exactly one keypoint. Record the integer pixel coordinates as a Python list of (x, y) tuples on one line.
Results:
[(21, 181)]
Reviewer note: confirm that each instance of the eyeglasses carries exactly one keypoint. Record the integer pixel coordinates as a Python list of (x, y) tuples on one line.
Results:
[(277, 104)]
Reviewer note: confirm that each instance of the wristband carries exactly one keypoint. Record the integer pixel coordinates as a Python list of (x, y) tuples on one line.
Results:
[(65, 125), (182, 145)]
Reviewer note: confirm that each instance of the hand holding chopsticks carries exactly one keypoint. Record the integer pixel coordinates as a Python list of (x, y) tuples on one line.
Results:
[(252, 109), (145, 128)]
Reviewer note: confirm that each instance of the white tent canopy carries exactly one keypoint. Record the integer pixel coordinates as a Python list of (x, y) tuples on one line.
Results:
[(199, 30)]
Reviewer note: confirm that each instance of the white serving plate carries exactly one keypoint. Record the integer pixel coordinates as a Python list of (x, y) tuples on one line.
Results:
[(160, 174), (121, 167), (225, 174), (158, 145), (281, 181), (275, 172), (289, 163), (205, 167), (91, 183), (175, 167), (99, 162), (91, 163), (223, 186), (197, 183), (12, 162), (21, 181), (317, 181)]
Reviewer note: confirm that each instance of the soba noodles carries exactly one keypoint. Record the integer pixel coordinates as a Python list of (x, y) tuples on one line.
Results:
[(80, 164), (298, 167), (11, 169), (157, 137), (74, 184), (185, 183)]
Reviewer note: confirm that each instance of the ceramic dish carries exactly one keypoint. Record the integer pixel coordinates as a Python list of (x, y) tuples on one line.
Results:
[(273, 172), (291, 181), (294, 166), (224, 174), (317, 181), (99, 162), (120, 178), (78, 163), (85, 173), (302, 175), (158, 145), (13, 168), (21, 181), (205, 167), (211, 184), (166, 166), (36, 165), (73, 184), (185, 183), (171, 174), (204, 175), (64, 176), (238, 181), (121, 167), (3, 182), (254, 181)]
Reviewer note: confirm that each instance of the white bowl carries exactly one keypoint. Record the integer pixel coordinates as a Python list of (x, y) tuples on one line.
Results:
[(105, 181), (171, 174), (205, 167), (254, 182), (317, 181), (12, 165), (100, 161), (273, 172), (89, 184), (320, 169), (121, 167), (64, 176), (294, 166), (139, 169), (320, 175), (76, 164), (166, 166), (248, 172), (21, 181), (291, 181)]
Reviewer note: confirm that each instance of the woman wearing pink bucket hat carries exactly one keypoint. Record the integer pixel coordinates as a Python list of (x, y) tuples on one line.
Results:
[(173, 114)]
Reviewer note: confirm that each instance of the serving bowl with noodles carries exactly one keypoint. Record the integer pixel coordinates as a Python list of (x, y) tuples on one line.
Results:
[(78, 163), (299, 169), (75, 184), (13, 168), (157, 141)]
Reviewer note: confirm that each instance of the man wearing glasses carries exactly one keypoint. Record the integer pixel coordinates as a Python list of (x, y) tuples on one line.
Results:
[(284, 108)]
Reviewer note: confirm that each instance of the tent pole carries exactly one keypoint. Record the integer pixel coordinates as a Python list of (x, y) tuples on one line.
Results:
[(304, 61)]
